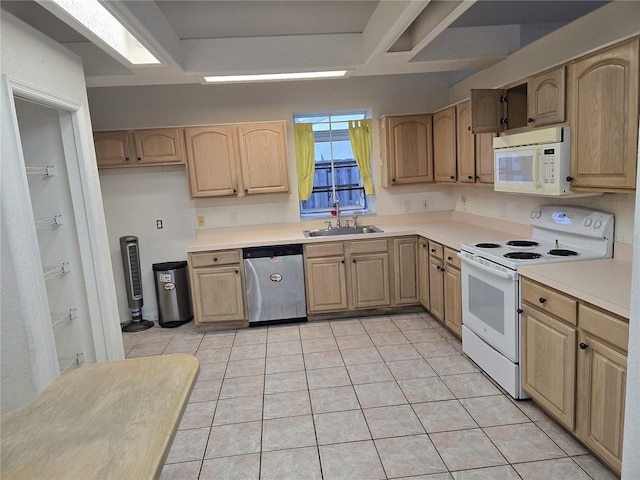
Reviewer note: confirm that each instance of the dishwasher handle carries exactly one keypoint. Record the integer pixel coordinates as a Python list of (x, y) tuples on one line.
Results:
[(272, 251)]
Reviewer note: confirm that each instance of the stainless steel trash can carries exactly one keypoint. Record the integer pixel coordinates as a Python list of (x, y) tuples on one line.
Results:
[(172, 292)]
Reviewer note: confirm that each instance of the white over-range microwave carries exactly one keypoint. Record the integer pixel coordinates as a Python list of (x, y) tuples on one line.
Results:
[(535, 162)]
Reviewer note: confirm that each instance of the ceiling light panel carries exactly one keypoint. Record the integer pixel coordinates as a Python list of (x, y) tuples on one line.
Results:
[(92, 19)]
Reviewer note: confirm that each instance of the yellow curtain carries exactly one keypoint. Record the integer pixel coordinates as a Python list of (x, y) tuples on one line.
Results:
[(305, 158), (360, 136)]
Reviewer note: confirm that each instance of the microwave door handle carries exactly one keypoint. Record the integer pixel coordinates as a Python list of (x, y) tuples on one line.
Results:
[(536, 168)]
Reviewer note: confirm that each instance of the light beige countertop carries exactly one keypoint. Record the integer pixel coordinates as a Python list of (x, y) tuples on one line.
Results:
[(603, 283), (449, 228), (111, 420)]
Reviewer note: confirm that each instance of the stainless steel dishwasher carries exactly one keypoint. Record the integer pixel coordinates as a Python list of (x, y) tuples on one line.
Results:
[(274, 282)]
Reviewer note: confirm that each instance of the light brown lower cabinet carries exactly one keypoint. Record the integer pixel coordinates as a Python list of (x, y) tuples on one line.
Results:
[(217, 282), (423, 276), (574, 365), (452, 292), (406, 271), (436, 281), (370, 280)]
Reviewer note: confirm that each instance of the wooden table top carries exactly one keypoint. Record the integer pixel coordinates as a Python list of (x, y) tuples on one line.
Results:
[(111, 420)]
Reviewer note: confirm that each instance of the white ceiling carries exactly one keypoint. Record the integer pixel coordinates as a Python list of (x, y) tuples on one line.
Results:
[(368, 37)]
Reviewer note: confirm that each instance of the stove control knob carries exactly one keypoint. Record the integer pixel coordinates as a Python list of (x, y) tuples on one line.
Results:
[(597, 224), (532, 214), (587, 221)]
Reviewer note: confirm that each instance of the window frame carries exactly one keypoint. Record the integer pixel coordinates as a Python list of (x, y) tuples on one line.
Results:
[(332, 164)]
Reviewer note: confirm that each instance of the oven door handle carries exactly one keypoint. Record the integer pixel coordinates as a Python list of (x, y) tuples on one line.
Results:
[(492, 271)]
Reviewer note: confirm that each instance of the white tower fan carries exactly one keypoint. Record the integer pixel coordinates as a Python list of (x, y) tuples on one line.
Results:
[(133, 280)]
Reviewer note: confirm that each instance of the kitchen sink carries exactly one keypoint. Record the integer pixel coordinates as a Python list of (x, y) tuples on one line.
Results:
[(342, 231)]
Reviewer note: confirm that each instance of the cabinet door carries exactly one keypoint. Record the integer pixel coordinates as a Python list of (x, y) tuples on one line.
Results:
[(549, 364), (218, 294), (444, 145), (263, 156), (465, 143), (326, 284), (488, 111), (211, 158), (546, 98), (604, 118), (436, 289), (423, 269), (409, 149), (453, 300), (602, 379), (159, 146), (484, 157), (112, 149), (405, 266), (370, 280)]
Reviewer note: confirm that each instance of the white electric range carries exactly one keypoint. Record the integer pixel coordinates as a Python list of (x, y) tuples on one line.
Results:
[(491, 283)]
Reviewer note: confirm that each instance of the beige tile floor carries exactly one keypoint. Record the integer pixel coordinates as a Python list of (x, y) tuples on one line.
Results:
[(369, 398)]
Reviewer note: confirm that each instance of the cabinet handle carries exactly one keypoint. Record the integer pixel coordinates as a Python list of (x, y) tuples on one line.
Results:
[(470, 177), (583, 346), (215, 259), (530, 120), (353, 260), (139, 158), (569, 178), (542, 299), (246, 190), (477, 177), (469, 128), (442, 269), (126, 158), (342, 261), (237, 271), (449, 258), (433, 250), (424, 245), (235, 190), (453, 177), (393, 180), (519, 310)]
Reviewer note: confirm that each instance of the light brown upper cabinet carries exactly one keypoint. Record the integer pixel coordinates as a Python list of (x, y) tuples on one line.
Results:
[(604, 119), (263, 157), (546, 98), (237, 159), (536, 102), (135, 148), (444, 145), (211, 156), (484, 157), (407, 148), (465, 143)]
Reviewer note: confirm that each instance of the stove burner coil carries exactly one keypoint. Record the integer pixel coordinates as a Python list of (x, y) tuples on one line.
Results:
[(487, 245), (522, 255), (559, 252), (522, 243)]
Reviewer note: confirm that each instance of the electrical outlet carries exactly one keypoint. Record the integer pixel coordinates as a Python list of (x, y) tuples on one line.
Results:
[(233, 218), (504, 209), (201, 220), (159, 224), (407, 206), (425, 204)]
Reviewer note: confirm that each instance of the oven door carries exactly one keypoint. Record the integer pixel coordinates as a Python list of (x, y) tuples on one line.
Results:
[(489, 304)]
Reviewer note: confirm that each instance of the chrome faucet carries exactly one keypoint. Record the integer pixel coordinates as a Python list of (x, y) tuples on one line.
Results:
[(336, 206), (329, 226), (355, 220)]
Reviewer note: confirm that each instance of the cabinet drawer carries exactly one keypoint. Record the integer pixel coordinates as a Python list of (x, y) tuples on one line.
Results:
[(324, 250), (607, 327), (550, 301), (451, 257), (436, 250), (220, 257), (368, 246)]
